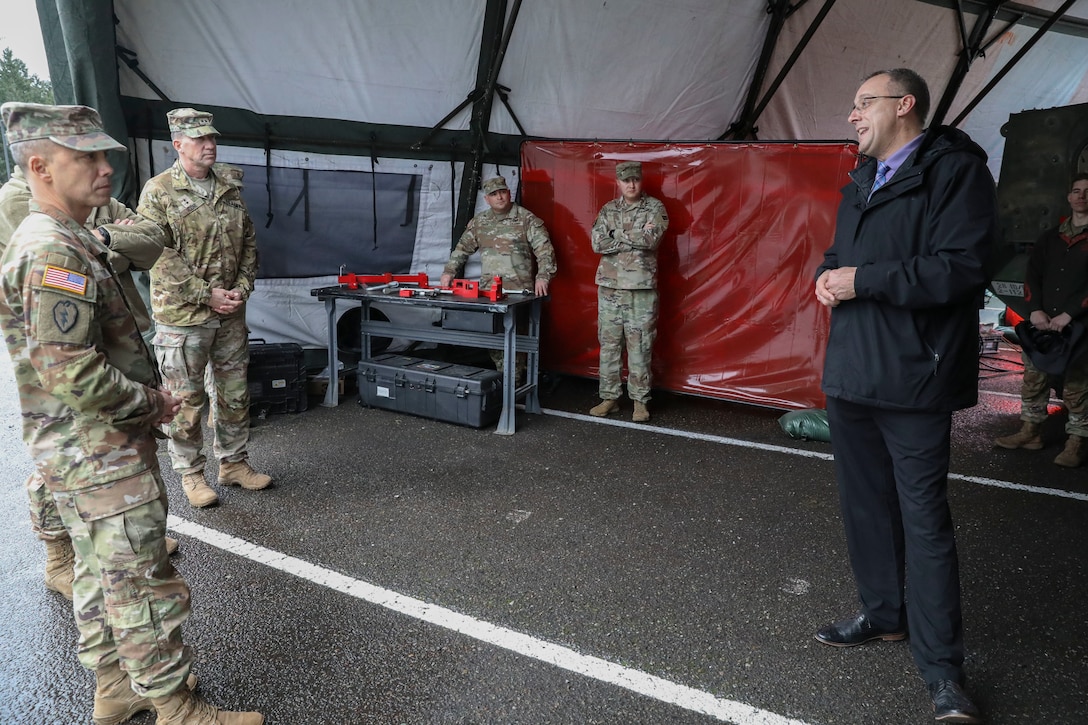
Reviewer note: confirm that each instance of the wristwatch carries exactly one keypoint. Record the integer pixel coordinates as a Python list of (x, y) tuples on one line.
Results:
[(105, 235)]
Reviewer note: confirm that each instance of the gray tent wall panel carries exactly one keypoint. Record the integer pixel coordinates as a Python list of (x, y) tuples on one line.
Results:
[(281, 308)]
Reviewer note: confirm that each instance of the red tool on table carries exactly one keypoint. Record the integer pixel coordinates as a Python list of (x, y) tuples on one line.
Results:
[(353, 281), (467, 288)]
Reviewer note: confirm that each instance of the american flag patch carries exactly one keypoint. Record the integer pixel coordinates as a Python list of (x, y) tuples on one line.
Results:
[(65, 279)]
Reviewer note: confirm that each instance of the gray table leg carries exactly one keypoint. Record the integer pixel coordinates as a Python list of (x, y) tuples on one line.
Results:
[(532, 398), (509, 365), (332, 393)]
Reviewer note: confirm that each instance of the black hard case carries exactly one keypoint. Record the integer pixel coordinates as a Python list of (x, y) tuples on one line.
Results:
[(432, 389), (277, 378)]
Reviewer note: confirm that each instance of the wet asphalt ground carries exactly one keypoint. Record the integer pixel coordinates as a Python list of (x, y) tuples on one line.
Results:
[(403, 570)]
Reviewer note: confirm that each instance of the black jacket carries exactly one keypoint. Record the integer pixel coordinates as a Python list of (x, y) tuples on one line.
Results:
[(922, 247), (1057, 276)]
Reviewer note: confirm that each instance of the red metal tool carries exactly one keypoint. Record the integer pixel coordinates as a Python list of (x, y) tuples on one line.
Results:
[(465, 288), (471, 288), (495, 293), (353, 281), (420, 292)]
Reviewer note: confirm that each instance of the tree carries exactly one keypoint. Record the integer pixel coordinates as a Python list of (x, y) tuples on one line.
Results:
[(16, 83)]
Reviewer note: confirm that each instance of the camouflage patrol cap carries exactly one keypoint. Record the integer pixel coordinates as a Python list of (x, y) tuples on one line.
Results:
[(496, 184), (627, 169), (191, 122), (74, 127)]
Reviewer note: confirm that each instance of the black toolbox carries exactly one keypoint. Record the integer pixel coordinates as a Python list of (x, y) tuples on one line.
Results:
[(444, 391), (277, 378)]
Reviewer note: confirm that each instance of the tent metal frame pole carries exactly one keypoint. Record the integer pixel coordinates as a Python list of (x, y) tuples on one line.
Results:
[(492, 52), (792, 60), (997, 36), (504, 95), (1055, 17), (129, 58), (472, 97), (742, 128), (968, 53)]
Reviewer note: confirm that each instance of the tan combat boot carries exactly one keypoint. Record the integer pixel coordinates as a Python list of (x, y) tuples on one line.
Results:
[(171, 545), (641, 415), (242, 474), (184, 708), (1027, 438), (197, 489), (60, 560), (114, 699), (604, 408), (1073, 455)]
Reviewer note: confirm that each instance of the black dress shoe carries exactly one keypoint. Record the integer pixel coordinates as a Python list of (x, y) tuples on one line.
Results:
[(859, 630), (951, 703)]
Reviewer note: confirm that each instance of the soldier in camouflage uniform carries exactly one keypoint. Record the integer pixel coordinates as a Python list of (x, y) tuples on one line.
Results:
[(134, 244), (199, 288), (1056, 295), (508, 237), (626, 235), (90, 399)]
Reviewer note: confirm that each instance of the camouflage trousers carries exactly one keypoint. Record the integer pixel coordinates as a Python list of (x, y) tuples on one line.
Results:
[(631, 315), (1035, 393), (129, 601), (45, 520), (183, 354)]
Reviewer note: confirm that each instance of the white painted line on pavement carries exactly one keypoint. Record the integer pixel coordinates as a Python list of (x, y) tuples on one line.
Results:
[(642, 683), (981, 481), (1059, 493), (689, 434)]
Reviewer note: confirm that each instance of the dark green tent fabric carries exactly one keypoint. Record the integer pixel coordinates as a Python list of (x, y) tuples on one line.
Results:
[(79, 42)]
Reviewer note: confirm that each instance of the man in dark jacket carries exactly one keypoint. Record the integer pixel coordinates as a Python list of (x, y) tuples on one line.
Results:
[(904, 281)]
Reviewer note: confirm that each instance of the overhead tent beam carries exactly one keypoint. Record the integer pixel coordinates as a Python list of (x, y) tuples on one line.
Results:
[(129, 58), (79, 39), (997, 36), (85, 62), (971, 48), (1031, 17), (791, 61), (238, 127), (494, 41), (744, 128), (1043, 29)]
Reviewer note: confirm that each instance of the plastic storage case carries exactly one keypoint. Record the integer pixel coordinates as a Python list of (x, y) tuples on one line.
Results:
[(277, 378), (432, 389)]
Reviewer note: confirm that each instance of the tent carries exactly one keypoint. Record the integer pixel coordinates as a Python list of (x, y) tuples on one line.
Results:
[(365, 127)]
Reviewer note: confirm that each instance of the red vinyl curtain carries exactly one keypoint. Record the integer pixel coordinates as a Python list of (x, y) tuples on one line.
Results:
[(748, 225)]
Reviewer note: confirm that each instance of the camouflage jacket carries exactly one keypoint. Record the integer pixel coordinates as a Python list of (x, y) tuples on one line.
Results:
[(209, 243), (84, 374), (628, 247), (507, 244), (132, 246)]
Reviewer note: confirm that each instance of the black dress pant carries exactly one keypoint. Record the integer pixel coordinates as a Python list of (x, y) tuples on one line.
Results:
[(892, 470)]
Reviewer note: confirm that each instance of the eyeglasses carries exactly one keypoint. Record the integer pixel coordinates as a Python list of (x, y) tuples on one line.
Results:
[(864, 103)]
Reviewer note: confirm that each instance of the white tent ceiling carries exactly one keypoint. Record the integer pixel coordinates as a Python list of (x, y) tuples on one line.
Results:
[(644, 69)]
